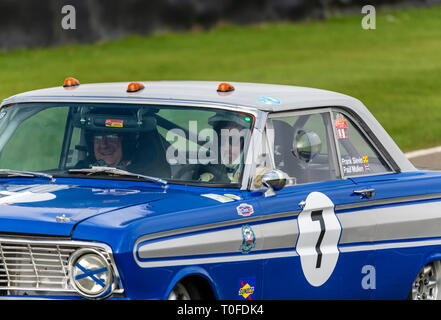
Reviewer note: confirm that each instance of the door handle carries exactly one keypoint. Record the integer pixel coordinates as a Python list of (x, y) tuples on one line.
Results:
[(365, 193)]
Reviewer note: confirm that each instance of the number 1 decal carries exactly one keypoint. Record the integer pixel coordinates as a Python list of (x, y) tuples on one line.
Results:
[(319, 233)]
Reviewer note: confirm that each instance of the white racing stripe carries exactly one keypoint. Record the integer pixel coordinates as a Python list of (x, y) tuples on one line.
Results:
[(393, 245), (380, 228), (244, 257)]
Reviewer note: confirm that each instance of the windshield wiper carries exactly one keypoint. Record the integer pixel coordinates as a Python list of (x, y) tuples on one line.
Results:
[(117, 172), (18, 173)]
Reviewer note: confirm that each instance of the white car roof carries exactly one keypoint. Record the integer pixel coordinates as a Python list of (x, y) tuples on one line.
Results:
[(275, 97), (253, 96)]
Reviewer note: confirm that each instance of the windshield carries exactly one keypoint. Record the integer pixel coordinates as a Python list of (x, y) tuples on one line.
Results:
[(177, 144)]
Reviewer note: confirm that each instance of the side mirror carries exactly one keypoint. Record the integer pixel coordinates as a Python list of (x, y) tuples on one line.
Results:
[(307, 144), (274, 180)]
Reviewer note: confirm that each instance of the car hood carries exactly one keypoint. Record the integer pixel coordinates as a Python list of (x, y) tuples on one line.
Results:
[(55, 209)]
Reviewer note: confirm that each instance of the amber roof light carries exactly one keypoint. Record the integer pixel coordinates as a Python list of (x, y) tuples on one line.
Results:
[(225, 87), (71, 82), (135, 87)]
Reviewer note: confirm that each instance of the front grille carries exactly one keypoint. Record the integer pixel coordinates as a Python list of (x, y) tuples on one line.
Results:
[(36, 267)]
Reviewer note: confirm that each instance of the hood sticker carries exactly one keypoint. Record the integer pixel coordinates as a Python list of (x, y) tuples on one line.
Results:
[(245, 209), (233, 196), (32, 193), (217, 197)]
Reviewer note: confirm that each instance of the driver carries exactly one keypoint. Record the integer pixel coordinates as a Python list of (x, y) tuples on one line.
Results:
[(108, 151)]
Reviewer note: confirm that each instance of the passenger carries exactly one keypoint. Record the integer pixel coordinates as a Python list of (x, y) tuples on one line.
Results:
[(231, 139)]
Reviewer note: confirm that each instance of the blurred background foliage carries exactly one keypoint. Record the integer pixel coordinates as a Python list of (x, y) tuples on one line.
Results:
[(395, 70)]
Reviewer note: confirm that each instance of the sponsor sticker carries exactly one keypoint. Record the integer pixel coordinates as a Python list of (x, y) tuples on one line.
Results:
[(366, 163), (268, 100), (341, 123), (245, 209), (341, 128), (354, 165), (248, 239), (342, 133), (247, 289)]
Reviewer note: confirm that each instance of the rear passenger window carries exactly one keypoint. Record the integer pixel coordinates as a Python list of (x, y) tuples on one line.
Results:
[(357, 155)]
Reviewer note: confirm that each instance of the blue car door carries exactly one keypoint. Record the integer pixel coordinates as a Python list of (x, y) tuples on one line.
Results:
[(403, 206), (322, 247), (309, 263)]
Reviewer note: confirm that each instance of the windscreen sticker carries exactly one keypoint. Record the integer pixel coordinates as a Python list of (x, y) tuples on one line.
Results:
[(114, 123), (352, 165), (341, 123), (366, 163), (341, 128), (217, 197), (342, 134)]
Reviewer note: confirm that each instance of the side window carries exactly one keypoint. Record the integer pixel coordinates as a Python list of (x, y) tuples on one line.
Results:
[(304, 147), (358, 156)]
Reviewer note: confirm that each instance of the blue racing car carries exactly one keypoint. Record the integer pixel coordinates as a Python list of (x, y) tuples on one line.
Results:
[(205, 190)]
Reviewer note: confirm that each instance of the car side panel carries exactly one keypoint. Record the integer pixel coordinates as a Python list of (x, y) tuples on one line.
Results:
[(407, 213)]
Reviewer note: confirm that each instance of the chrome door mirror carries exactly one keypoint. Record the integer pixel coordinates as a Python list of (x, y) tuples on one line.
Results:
[(307, 144), (274, 180)]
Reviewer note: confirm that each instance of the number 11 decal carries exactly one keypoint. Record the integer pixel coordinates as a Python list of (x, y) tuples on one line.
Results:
[(319, 233)]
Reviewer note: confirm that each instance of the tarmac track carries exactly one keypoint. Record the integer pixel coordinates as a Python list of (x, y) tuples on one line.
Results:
[(426, 159)]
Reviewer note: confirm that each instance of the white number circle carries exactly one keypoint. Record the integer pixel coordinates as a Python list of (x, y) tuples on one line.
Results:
[(319, 233)]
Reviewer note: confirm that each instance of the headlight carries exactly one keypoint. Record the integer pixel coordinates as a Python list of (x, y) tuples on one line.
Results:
[(90, 273)]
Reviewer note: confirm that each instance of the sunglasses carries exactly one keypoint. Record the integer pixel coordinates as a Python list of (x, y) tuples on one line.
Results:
[(108, 137)]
